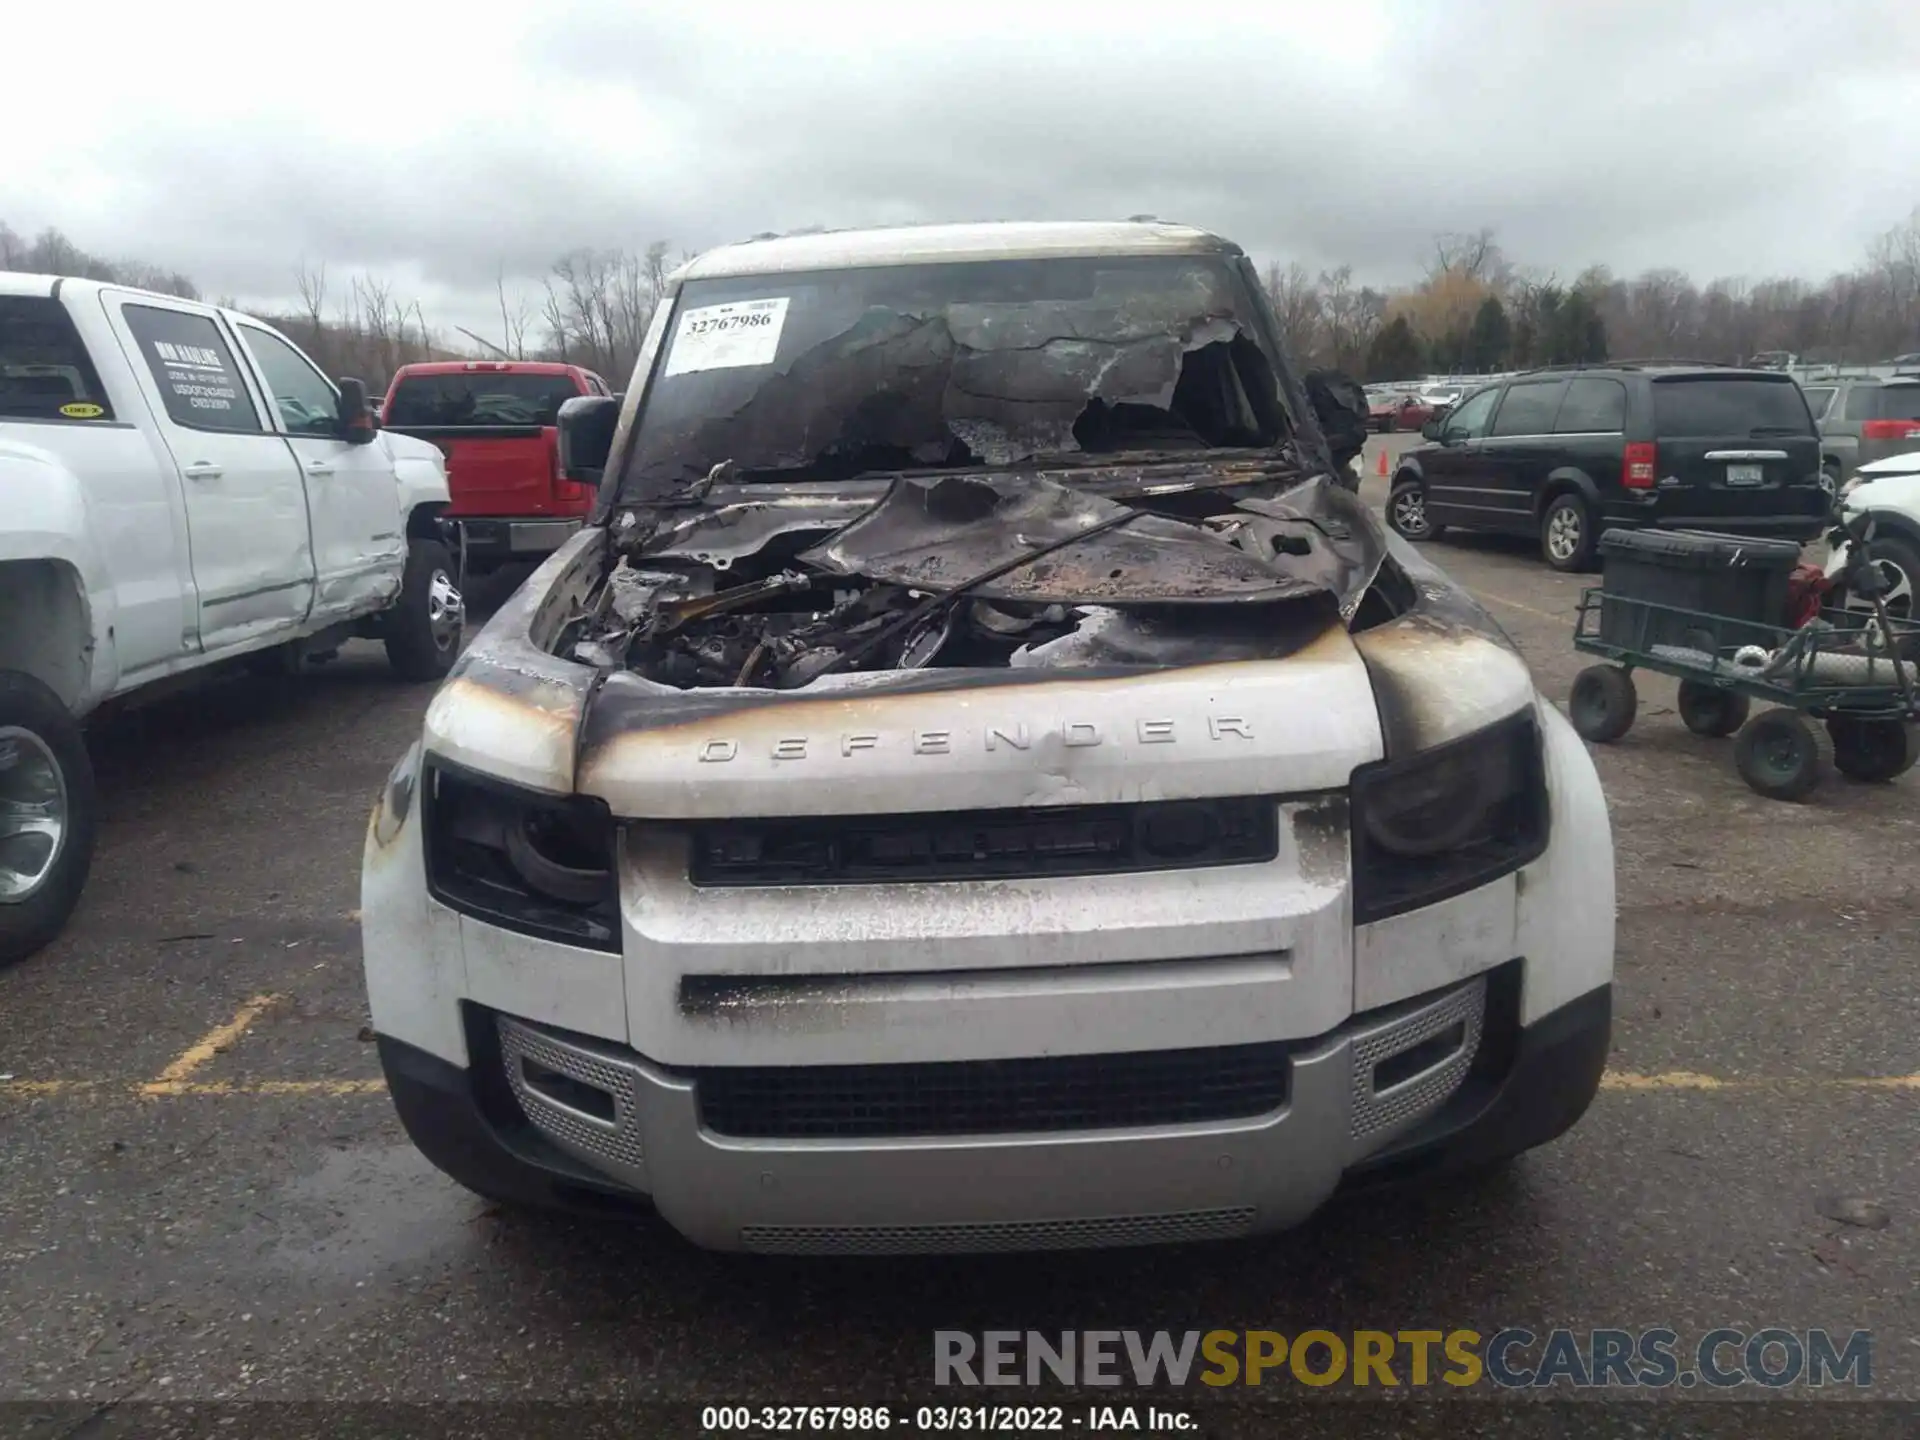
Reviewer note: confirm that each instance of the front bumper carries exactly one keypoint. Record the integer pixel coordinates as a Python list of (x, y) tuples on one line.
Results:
[(1468, 1083)]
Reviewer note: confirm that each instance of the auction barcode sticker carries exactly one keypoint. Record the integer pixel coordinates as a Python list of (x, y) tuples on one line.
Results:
[(726, 337)]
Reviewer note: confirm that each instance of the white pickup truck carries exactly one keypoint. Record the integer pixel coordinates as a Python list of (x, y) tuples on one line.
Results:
[(179, 487)]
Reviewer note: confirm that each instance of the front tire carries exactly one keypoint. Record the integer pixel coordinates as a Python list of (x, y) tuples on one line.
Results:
[(1407, 511), (1782, 754), (48, 815), (1568, 535), (423, 629)]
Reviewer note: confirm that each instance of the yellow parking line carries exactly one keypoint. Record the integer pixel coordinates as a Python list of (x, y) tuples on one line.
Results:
[(1668, 1080), (1524, 609), (279, 1087), (208, 1046), (197, 1087), (43, 1087), (1690, 1080)]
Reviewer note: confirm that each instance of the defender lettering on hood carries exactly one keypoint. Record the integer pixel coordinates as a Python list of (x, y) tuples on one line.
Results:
[(1013, 735)]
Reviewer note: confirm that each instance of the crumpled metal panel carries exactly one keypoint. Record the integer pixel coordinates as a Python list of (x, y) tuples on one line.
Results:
[(932, 534), (1186, 635), (720, 534)]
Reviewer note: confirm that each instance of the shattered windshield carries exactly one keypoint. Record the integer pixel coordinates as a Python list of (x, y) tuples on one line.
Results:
[(834, 374)]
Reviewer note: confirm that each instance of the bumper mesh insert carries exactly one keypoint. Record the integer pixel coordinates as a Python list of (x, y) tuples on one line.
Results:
[(1011, 1235), (982, 1097)]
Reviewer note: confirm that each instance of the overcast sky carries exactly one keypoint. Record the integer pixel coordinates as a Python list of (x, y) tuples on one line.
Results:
[(435, 142)]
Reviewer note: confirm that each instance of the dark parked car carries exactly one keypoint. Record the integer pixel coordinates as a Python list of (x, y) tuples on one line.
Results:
[(1863, 418), (1566, 453)]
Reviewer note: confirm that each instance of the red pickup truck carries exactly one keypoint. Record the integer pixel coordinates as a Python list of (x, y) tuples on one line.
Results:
[(494, 420)]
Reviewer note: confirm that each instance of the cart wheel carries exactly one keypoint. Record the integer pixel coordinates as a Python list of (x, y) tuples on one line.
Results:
[(1710, 711), (1602, 703), (1872, 751), (1782, 754)]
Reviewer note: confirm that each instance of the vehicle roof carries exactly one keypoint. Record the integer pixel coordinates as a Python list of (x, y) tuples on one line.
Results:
[(941, 244), (490, 367), (16, 282), (1657, 370), (21, 283)]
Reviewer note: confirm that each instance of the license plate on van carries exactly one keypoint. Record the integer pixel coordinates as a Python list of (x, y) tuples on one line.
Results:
[(1745, 475)]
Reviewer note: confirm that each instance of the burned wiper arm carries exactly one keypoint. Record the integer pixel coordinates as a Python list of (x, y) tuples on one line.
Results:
[(954, 592)]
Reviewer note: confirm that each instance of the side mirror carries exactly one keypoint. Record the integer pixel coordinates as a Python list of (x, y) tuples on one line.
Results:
[(586, 424), (1431, 430), (357, 425)]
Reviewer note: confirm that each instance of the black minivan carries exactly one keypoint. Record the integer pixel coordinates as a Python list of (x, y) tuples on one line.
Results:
[(1565, 453)]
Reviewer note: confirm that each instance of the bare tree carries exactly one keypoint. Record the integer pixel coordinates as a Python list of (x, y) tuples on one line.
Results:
[(514, 320), (1472, 256), (1351, 316), (1296, 306), (313, 298), (598, 304)]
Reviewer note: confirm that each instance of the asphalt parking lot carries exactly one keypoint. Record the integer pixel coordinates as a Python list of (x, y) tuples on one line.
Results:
[(205, 1195)]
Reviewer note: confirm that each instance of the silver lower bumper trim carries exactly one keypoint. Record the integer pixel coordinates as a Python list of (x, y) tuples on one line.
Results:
[(1351, 1093)]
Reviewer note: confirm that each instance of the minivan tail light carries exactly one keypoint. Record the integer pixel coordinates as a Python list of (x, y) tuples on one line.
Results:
[(1890, 430), (1638, 465)]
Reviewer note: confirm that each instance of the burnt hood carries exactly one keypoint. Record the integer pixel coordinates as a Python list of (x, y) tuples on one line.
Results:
[(934, 533)]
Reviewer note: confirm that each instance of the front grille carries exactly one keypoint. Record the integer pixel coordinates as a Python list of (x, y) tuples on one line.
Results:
[(1060, 840), (1010, 1235), (991, 1097)]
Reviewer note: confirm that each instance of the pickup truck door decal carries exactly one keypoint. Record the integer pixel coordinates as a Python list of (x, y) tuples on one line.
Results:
[(245, 505)]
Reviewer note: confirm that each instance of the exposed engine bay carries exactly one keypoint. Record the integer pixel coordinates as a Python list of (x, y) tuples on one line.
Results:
[(1085, 461), (1150, 565)]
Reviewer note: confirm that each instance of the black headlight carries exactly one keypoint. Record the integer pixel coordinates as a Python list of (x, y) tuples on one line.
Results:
[(542, 865), (1449, 819)]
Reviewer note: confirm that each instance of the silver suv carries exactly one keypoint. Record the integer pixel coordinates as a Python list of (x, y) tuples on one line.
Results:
[(1864, 418)]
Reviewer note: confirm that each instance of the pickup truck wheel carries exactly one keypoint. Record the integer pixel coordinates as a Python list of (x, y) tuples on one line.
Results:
[(47, 815), (423, 629)]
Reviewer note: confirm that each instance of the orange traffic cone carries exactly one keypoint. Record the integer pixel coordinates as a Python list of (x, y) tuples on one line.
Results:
[(1381, 469)]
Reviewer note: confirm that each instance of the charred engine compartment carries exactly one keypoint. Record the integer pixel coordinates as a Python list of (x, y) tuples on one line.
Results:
[(789, 628), (980, 571)]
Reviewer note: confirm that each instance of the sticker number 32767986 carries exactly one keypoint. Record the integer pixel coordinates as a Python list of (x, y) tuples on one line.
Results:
[(725, 337)]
